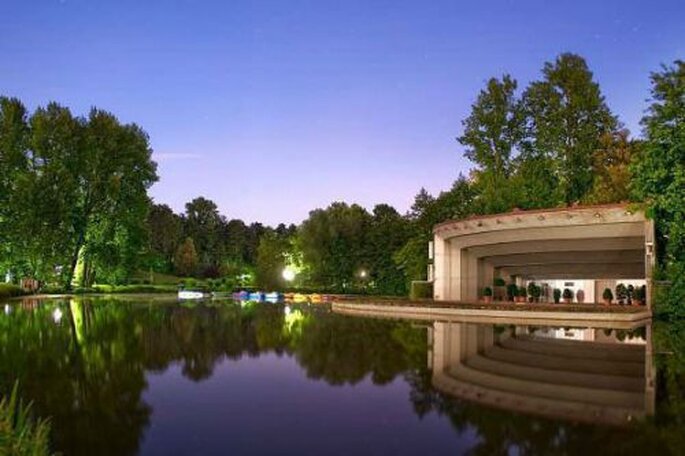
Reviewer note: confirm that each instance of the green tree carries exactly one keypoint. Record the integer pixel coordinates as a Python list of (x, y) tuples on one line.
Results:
[(164, 234), (611, 168), (332, 243), (205, 225), (185, 259), (565, 117), (659, 174), (272, 256), (491, 133), (388, 231)]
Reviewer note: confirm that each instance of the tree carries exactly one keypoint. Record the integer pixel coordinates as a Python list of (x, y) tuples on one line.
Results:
[(164, 233), (205, 225), (611, 168), (332, 244), (565, 116), (388, 231), (659, 174), (491, 134), (272, 255), (185, 259)]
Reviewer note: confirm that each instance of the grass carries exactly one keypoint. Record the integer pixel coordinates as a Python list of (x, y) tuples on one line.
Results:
[(20, 434)]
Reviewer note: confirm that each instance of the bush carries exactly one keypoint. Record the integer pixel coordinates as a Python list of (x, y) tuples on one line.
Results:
[(523, 293), (487, 291), (512, 291), (9, 290), (421, 289), (568, 294), (607, 295), (621, 293), (557, 295), (641, 294), (499, 282), (19, 433)]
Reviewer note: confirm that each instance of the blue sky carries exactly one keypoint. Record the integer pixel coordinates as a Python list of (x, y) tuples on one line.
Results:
[(274, 108)]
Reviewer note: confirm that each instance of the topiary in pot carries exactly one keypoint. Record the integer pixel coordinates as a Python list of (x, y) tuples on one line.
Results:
[(557, 295), (531, 291), (621, 293), (640, 295), (607, 296), (512, 291), (630, 295), (580, 296), (487, 294), (522, 295), (567, 295)]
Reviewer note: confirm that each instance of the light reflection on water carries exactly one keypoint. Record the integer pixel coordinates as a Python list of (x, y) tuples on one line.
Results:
[(158, 377)]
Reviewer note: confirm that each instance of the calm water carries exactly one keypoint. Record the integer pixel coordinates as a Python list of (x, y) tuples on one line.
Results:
[(155, 377)]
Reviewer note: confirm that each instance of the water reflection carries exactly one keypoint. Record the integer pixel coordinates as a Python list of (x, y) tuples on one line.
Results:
[(585, 375), (88, 364)]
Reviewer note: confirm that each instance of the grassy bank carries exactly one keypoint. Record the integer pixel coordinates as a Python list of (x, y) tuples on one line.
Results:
[(20, 434), (9, 290)]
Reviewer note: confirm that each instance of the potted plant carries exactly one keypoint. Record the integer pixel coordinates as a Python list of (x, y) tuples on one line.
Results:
[(567, 295), (557, 295), (621, 293), (630, 294), (522, 295), (512, 292), (537, 292), (499, 290), (487, 294), (608, 296), (580, 296), (531, 291), (640, 295)]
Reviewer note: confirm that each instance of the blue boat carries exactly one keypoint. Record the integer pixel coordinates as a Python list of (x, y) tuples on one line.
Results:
[(241, 296), (274, 296), (256, 296)]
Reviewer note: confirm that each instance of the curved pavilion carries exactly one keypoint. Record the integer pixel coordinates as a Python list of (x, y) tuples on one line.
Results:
[(596, 244)]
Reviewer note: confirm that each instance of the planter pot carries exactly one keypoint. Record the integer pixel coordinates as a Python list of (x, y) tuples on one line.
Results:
[(487, 299), (568, 300), (607, 302)]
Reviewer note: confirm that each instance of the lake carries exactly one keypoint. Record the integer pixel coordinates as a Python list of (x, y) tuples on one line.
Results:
[(153, 376)]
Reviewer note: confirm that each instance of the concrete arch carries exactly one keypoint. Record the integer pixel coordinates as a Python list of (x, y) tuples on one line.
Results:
[(585, 242)]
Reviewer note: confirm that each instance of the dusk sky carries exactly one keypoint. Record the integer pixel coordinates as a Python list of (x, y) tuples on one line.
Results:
[(272, 109)]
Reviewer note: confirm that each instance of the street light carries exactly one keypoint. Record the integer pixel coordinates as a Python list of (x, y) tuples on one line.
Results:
[(288, 274)]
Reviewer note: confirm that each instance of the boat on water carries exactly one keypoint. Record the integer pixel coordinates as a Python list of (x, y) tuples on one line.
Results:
[(241, 295), (256, 296), (190, 294), (274, 296)]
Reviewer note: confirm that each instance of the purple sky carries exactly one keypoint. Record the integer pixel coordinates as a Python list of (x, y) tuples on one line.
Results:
[(274, 108)]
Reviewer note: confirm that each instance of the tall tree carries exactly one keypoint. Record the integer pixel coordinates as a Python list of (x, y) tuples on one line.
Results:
[(566, 115), (659, 174), (611, 168), (388, 231), (185, 258), (332, 246), (164, 234), (272, 256), (205, 225), (491, 134)]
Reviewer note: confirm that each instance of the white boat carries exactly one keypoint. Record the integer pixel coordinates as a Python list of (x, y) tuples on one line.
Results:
[(188, 294)]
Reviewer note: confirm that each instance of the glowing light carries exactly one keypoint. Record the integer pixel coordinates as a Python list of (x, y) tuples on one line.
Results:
[(288, 274), (57, 315), (362, 274), (8, 309), (287, 310)]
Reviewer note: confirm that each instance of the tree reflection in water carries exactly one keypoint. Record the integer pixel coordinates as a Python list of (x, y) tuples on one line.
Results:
[(87, 370)]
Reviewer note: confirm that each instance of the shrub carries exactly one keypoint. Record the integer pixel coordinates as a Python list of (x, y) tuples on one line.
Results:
[(523, 293), (568, 294), (9, 290), (421, 289), (557, 295), (487, 291), (19, 433), (641, 293), (621, 293), (607, 295), (512, 291), (499, 282), (580, 296)]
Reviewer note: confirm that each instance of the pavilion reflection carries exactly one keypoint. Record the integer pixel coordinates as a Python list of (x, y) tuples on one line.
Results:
[(586, 375)]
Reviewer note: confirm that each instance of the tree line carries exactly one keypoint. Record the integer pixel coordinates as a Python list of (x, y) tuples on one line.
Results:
[(74, 204)]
